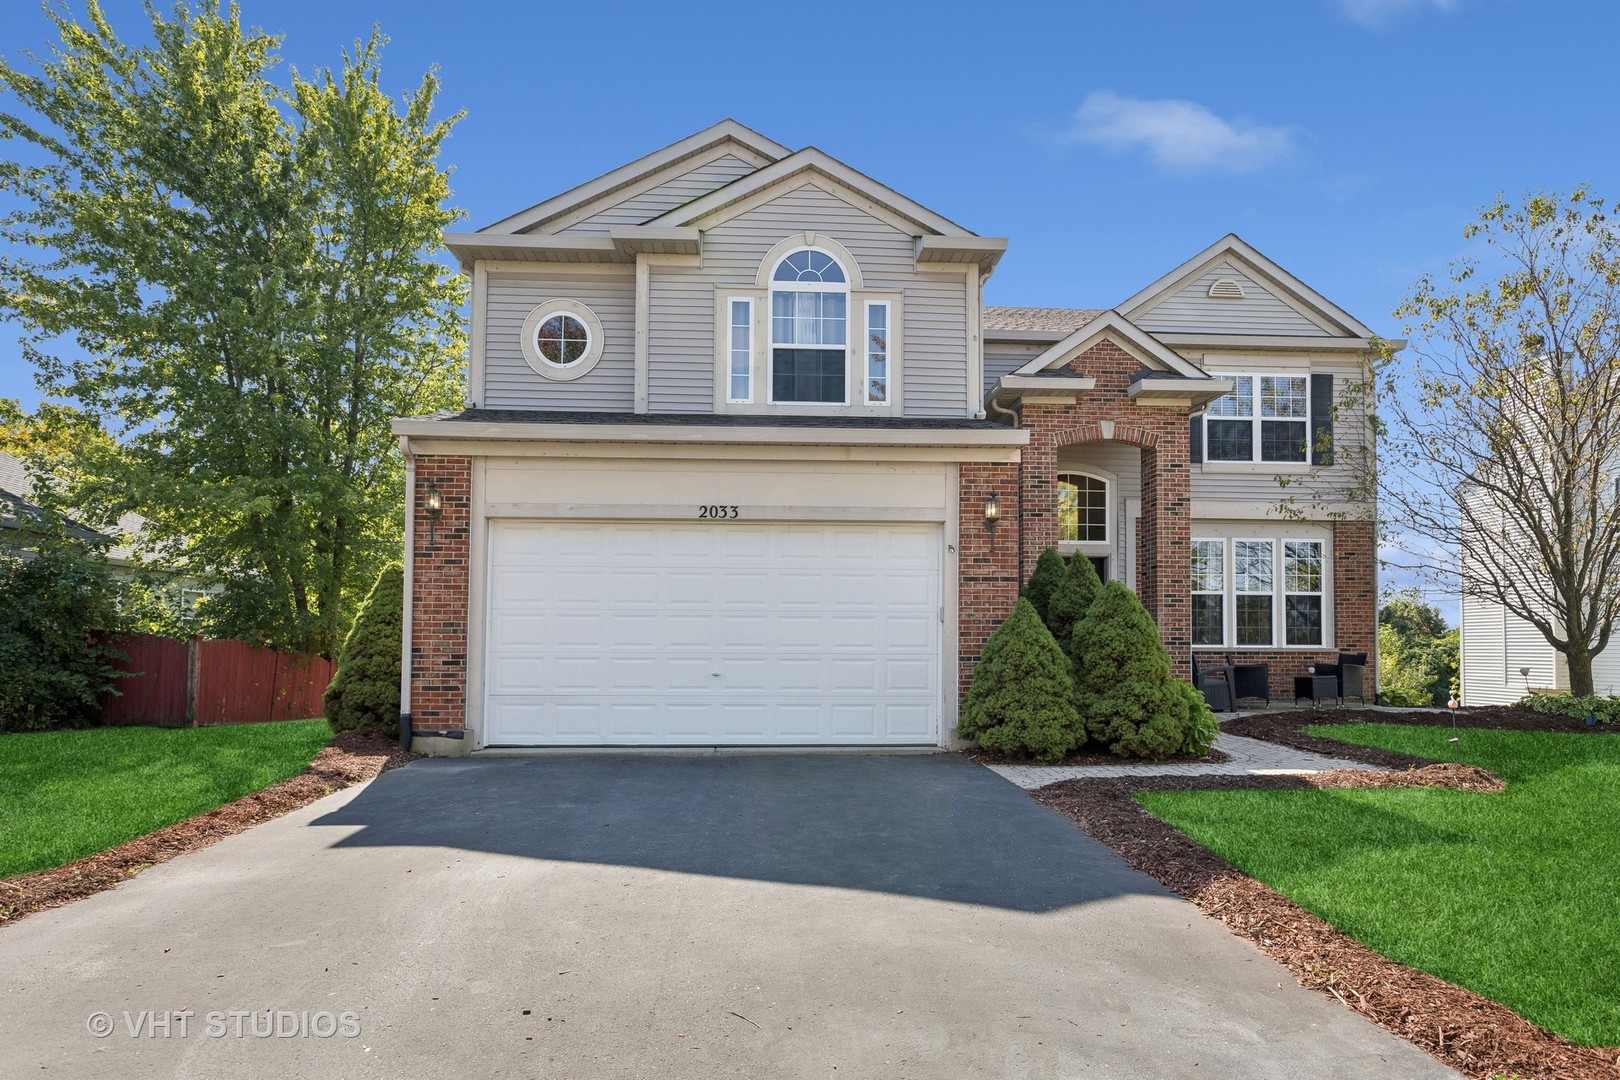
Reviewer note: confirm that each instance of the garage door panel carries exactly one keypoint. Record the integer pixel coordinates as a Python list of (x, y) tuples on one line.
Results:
[(715, 633)]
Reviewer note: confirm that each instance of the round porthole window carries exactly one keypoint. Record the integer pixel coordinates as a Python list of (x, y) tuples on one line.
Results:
[(562, 339)]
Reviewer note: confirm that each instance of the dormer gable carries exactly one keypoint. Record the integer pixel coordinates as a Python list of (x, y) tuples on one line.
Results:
[(1230, 288)]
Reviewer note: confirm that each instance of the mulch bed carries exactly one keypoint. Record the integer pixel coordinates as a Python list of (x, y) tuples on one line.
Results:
[(1094, 757), (1287, 728), (352, 757), (1471, 1034)]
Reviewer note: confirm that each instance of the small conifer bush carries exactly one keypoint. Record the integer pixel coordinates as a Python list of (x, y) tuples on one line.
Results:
[(365, 690), (1048, 575), (1022, 698), (1130, 698), (1071, 600)]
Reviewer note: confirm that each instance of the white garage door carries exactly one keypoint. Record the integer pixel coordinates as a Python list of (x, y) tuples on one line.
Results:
[(712, 634)]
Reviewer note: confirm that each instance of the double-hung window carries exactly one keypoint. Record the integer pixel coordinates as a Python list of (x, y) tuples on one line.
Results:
[(1264, 418), (809, 329), (1243, 590), (740, 350)]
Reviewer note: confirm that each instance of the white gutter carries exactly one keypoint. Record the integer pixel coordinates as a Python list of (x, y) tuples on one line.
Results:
[(410, 578)]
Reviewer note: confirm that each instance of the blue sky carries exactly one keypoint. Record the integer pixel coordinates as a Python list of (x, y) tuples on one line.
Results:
[(1350, 140)]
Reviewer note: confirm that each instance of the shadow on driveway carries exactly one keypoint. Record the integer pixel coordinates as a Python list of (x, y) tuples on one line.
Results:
[(937, 826)]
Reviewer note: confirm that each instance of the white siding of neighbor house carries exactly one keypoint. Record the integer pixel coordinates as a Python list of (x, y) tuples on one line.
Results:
[(1191, 309), (676, 191), (933, 364), (509, 381), (1496, 645), (1220, 482)]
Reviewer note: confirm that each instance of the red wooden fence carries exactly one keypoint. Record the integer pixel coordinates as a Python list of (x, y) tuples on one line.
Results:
[(181, 683)]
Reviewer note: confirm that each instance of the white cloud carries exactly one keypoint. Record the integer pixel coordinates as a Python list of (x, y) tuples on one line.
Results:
[(1178, 134), (1378, 14)]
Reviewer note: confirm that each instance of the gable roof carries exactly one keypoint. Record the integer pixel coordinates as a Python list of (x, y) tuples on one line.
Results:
[(815, 163), (1289, 289), (725, 132), (1153, 354)]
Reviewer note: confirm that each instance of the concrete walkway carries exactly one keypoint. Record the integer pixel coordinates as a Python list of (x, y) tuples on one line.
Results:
[(1249, 757), (622, 916)]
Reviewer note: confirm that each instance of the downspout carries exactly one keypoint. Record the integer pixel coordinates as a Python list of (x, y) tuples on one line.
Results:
[(410, 587), (994, 402)]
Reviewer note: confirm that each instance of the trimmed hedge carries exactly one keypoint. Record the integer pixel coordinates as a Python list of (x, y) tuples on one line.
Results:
[(365, 690), (1022, 699)]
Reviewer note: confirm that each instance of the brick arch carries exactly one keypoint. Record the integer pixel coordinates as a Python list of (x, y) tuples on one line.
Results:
[(1125, 433)]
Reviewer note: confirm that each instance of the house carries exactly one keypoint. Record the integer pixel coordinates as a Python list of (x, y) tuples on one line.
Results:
[(746, 461), (19, 512)]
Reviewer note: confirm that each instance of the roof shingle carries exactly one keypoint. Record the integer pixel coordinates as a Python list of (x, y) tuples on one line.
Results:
[(1060, 319)]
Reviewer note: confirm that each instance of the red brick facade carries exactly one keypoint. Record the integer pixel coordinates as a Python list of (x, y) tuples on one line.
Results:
[(988, 585), (439, 591)]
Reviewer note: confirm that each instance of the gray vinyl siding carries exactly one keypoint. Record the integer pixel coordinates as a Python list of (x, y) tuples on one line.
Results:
[(639, 209), (1209, 481), (509, 381), (1497, 644), (933, 333), (1192, 310), (1002, 358)]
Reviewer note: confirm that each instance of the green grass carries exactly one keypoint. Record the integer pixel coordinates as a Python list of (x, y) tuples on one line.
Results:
[(68, 794), (1515, 896)]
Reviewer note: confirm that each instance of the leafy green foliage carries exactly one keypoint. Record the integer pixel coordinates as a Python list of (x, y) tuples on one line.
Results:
[(1022, 697), (1417, 652), (365, 689), (1131, 700), (1606, 710), (68, 794), (1202, 726), (1048, 575), (58, 602), (1071, 599), (238, 279), (1516, 889)]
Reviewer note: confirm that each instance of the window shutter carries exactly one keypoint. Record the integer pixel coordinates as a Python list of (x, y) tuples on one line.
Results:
[(1195, 440), (1321, 419)]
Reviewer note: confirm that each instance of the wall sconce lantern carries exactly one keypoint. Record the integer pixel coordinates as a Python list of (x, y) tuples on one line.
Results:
[(433, 503), (992, 517)]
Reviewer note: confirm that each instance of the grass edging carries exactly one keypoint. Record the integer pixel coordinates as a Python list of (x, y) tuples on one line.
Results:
[(1458, 1027), (351, 757)]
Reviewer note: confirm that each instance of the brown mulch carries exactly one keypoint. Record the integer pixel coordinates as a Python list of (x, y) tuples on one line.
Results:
[(1471, 1034), (1093, 757), (352, 757), (1287, 728)]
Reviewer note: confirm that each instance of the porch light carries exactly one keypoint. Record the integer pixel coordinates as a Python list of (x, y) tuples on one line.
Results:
[(992, 516), (433, 503)]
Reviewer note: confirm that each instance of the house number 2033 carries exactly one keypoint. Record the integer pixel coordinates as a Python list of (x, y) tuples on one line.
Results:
[(717, 511)]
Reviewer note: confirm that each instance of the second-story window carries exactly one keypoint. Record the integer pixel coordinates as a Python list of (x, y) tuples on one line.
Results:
[(877, 353), (810, 329), (1264, 418)]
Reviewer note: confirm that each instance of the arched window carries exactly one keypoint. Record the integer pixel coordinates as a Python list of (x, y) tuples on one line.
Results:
[(1082, 508), (810, 329)]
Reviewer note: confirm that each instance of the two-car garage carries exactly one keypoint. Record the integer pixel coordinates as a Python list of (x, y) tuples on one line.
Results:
[(713, 632)]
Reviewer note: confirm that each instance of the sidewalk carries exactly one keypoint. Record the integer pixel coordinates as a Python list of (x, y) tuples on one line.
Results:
[(1249, 757)]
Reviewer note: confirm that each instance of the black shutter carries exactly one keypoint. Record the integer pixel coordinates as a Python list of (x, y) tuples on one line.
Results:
[(1321, 419), (1195, 440)]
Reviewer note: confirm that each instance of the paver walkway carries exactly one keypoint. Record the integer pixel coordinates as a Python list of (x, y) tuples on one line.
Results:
[(1249, 757)]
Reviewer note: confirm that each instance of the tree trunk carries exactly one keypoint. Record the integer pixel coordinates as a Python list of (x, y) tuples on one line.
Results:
[(1579, 661)]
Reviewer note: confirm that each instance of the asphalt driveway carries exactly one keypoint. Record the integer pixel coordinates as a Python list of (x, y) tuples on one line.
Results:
[(594, 917)]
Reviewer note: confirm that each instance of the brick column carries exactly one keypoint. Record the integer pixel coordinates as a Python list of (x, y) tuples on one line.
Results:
[(1355, 590), (987, 571), (439, 597), (1164, 567)]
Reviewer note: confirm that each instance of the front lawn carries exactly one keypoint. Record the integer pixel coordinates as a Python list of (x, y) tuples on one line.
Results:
[(1513, 895), (68, 794)]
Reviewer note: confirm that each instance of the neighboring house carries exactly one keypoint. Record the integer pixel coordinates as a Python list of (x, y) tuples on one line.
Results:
[(18, 511), (746, 462), (1501, 658)]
